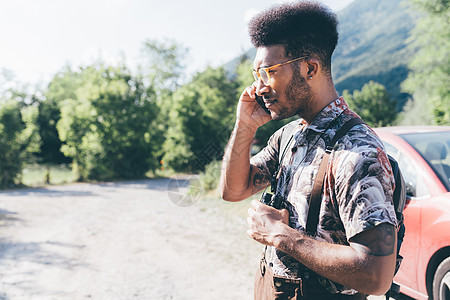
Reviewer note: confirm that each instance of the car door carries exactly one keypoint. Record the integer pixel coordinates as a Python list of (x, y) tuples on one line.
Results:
[(417, 192)]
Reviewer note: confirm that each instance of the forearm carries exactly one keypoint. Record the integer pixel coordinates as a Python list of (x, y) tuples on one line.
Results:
[(235, 181), (352, 266)]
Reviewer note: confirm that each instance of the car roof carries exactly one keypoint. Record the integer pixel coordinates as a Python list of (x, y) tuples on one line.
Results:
[(413, 129)]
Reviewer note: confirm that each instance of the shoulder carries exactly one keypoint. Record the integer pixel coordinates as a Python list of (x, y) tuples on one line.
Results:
[(359, 138), (362, 139), (363, 180), (360, 152)]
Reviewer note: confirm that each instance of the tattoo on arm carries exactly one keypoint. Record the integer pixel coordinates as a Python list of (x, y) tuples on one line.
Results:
[(378, 241), (259, 180)]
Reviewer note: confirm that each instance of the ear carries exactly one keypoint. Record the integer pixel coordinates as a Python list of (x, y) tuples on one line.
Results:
[(313, 67)]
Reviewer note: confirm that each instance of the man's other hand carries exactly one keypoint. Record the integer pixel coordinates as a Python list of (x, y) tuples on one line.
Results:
[(266, 223)]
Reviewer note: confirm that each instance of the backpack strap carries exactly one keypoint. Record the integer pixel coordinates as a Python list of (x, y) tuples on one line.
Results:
[(315, 200), (283, 144)]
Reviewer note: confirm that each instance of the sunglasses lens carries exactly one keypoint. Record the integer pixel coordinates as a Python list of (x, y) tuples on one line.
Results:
[(255, 76), (264, 76)]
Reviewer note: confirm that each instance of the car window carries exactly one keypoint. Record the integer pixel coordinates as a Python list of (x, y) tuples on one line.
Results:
[(392, 151), (434, 147), (415, 185)]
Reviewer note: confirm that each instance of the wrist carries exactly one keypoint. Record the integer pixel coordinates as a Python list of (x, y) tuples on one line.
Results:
[(245, 127), (287, 240)]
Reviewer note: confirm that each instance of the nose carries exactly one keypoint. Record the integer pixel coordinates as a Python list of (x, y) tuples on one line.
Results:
[(261, 88)]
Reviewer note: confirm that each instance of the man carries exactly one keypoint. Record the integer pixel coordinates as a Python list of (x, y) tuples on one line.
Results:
[(353, 253)]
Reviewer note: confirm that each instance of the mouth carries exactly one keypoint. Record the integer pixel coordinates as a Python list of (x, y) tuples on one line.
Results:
[(270, 103)]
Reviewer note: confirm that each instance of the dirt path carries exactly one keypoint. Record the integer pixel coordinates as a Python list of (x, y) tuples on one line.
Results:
[(128, 240), (121, 241)]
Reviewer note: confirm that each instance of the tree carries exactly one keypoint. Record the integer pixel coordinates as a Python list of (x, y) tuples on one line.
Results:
[(201, 118), (161, 65), (429, 79), (416, 112), (162, 69), (50, 149), (107, 124), (18, 131), (17, 139), (373, 104), (244, 77)]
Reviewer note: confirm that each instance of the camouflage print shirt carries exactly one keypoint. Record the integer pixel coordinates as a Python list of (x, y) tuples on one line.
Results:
[(358, 183)]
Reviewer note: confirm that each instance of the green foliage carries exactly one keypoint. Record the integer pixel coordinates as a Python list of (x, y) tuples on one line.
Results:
[(416, 112), (162, 64), (11, 127), (162, 70), (373, 104), (36, 175), (49, 115), (108, 125), (63, 86), (17, 139), (209, 179), (244, 77), (201, 118), (429, 79), (434, 7)]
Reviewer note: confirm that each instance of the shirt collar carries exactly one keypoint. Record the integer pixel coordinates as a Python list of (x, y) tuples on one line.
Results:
[(328, 114)]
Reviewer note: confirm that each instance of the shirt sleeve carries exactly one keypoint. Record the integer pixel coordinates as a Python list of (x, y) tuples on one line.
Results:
[(363, 182), (267, 159)]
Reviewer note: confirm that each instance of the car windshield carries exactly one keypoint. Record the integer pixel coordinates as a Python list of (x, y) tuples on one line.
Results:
[(434, 148)]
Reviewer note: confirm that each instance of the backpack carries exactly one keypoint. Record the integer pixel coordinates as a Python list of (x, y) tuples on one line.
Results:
[(399, 193)]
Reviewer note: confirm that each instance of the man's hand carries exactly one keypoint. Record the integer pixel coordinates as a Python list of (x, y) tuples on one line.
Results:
[(237, 178), (249, 112), (266, 223)]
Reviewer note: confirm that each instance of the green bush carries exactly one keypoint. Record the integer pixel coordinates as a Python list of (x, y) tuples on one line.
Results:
[(201, 118), (17, 140), (373, 104), (209, 179), (38, 175), (109, 125)]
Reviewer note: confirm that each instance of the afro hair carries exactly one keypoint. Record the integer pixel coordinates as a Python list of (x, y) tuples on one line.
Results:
[(304, 28)]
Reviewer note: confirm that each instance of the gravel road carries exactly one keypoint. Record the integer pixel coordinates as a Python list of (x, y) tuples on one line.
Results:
[(128, 240)]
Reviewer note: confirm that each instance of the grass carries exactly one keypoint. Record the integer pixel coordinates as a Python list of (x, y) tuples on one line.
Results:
[(35, 175)]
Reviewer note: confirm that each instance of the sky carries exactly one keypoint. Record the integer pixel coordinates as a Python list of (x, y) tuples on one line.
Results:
[(41, 37)]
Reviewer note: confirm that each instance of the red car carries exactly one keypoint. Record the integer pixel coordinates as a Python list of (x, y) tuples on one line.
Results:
[(423, 154)]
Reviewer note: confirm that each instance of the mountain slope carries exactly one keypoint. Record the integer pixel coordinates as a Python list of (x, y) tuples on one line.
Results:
[(372, 45)]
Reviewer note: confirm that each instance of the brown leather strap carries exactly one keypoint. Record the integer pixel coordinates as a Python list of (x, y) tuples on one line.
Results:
[(314, 203)]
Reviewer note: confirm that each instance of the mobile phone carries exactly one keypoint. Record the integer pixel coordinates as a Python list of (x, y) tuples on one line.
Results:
[(260, 101)]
